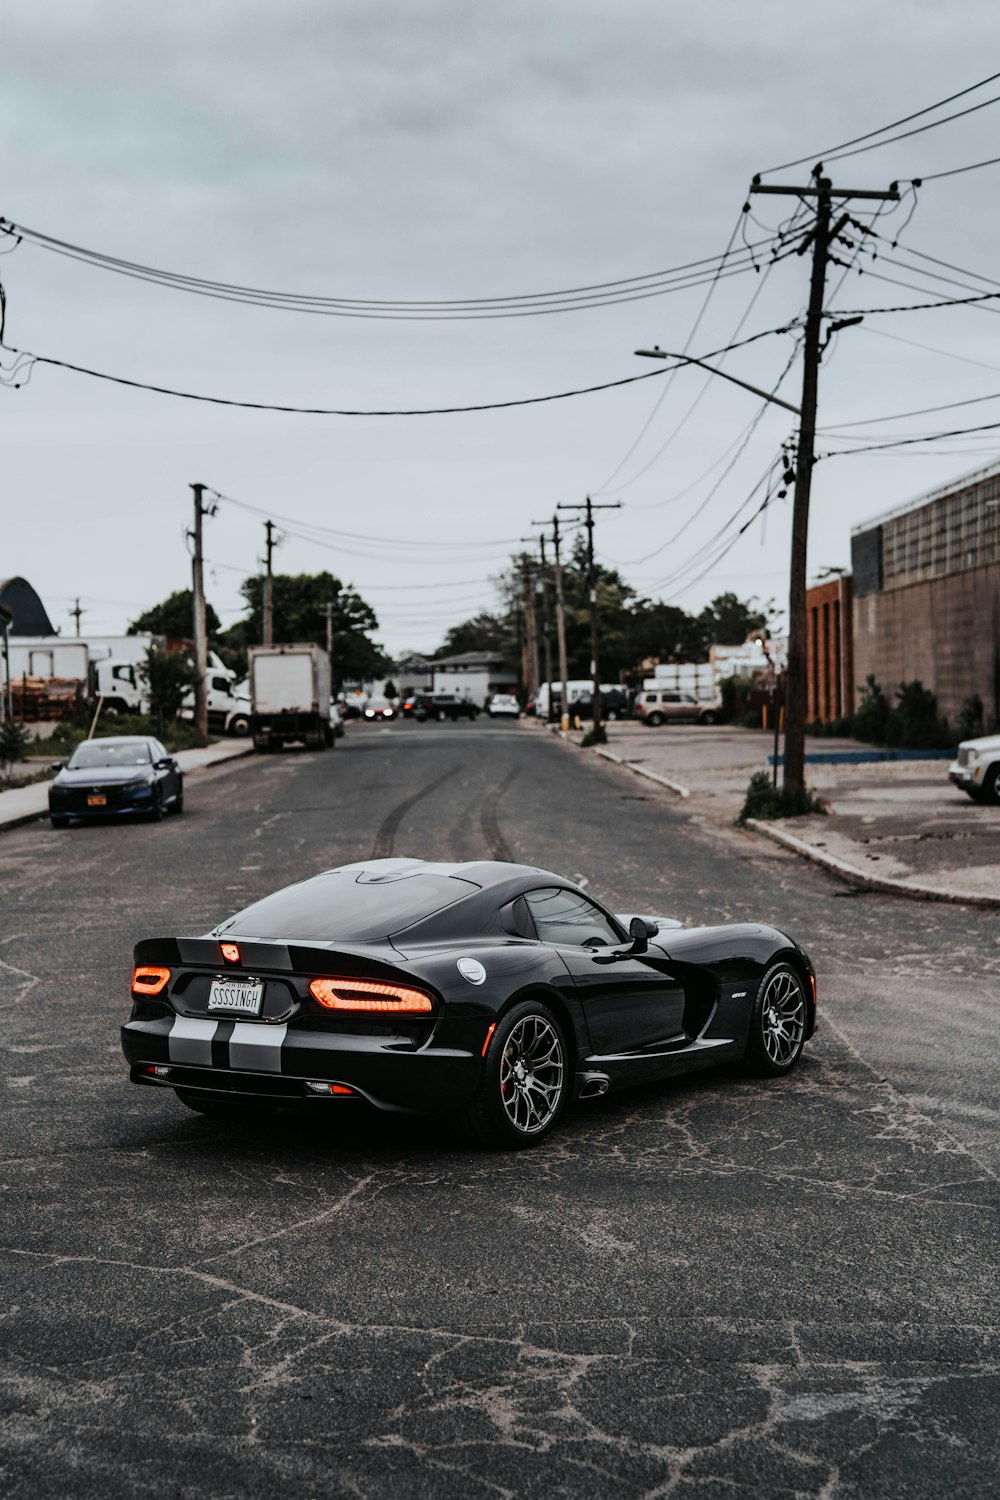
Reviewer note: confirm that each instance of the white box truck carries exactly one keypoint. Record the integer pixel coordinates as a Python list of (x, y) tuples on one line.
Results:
[(289, 696)]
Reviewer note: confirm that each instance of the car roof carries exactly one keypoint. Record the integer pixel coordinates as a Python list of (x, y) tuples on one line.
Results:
[(121, 739), (484, 873)]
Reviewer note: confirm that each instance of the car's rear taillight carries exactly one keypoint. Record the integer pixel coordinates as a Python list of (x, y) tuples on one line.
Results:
[(149, 979), (365, 995)]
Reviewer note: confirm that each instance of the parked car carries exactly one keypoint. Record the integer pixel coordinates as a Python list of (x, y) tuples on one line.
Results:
[(442, 706), (666, 706), (503, 705), (976, 768), (120, 777), (615, 704)]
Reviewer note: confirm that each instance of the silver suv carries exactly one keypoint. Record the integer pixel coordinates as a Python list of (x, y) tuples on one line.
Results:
[(976, 768), (667, 706)]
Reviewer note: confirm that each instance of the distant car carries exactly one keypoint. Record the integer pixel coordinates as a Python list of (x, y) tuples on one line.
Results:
[(615, 704), (667, 706), (495, 993), (351, 708), (120, 777), (442, 706), (379, 708), (503, 705), (976, 768)]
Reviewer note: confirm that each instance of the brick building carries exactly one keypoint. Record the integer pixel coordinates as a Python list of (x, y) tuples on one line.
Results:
[(829, 651), (927, 594)]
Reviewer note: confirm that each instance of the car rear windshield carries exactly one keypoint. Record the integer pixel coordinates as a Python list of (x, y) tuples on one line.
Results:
[(89, 757), (337, 907)]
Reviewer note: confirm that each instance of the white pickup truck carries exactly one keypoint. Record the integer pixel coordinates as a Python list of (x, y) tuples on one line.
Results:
[(976, 768)]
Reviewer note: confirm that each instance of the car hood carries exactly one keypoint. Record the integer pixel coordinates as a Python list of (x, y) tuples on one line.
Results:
[(103, 775), (986, 742)]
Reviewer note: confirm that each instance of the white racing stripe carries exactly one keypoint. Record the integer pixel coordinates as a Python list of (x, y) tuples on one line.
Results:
[(255, 1047), (190, 1041)]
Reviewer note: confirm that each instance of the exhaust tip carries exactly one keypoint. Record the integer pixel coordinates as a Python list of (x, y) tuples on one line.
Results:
[(594, 1085)]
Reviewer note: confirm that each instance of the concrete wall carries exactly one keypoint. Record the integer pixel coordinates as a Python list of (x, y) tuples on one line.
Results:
[(944, 631)]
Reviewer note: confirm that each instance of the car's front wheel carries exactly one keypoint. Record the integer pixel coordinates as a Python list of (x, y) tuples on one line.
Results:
[(221, 1108), (654, 720), (58, 821), (778, 1023), (525, 1079), (991, 784)]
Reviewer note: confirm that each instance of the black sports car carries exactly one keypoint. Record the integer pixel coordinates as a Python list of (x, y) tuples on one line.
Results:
[(494, 992), (123, 776)]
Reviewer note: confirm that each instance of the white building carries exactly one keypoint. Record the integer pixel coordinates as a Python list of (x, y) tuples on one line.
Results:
[(473, 674)]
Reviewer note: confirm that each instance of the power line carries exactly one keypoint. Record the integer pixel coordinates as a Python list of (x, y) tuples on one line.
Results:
[(916, 306), (897, 338), (973, 166), (327, 411), (905, 120), (597, 294), (899, 416), (931, 437)]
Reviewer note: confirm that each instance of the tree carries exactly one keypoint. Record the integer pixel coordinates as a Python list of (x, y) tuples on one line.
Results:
[(14, 741), (169, 676), (299, 603), (484, 632), (174, 618), (728, 621)]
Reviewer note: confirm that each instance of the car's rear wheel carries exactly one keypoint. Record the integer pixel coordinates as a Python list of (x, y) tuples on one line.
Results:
[(525, 1079), (710, 718), (441, 715), (221, 1108), (778, 1023), (59, 822)]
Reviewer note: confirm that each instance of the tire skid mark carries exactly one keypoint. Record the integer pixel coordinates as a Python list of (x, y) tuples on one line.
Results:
[(489, 823), (386, 836)]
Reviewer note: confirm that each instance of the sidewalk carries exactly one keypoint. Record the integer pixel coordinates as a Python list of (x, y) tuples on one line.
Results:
[(23, 804), (892, 825)]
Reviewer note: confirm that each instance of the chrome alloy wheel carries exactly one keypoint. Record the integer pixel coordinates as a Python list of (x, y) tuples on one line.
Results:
[(782, 1017), (531, 1074)]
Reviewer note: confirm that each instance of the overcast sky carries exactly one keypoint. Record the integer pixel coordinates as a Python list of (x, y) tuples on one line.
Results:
[(431, 149)]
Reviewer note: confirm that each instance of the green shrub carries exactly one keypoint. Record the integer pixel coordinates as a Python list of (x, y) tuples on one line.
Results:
[(872, 717), (765, 800), (596, 736), (14, 741), (969, 723)]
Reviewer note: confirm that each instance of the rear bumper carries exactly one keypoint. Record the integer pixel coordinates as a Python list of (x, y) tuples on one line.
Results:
[(277, 1063)]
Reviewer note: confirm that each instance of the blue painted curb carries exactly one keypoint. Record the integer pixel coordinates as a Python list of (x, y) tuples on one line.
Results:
[(860, 757)]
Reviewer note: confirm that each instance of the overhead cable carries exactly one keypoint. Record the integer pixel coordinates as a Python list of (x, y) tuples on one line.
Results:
[(328, 411), (828, 155)]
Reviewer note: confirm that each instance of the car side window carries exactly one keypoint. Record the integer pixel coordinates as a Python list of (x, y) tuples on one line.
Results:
[(569, 919)]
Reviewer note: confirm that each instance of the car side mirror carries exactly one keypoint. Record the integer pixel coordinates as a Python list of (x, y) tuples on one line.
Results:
[(166, 764), (640, 930), (56, 765)]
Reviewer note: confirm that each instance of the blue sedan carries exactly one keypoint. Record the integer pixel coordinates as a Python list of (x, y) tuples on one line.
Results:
[(125, 776)]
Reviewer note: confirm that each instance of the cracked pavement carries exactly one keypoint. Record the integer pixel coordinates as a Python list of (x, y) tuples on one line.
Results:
[(716, 1287)]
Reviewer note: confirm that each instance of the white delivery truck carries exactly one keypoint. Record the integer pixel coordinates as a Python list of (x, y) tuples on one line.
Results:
[(290, 696)]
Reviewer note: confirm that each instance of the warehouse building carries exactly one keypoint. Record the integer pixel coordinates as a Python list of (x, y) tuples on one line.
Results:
[(926, 582)]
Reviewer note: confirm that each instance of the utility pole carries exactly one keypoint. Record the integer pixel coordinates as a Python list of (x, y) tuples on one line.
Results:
[(560, 628), (269, 587), (595, 665), (543, 588), (821, 237), (329, 628), (200, 634), (529, 645), (75, 614)]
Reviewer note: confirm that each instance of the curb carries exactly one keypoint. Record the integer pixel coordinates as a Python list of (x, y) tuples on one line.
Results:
[(673, 786), (854, 876)]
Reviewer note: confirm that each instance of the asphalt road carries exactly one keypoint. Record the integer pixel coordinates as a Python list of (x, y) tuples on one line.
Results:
[(713, 1288)]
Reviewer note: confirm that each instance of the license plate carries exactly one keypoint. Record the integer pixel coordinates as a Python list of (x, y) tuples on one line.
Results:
[(97, 801), (243, 995)]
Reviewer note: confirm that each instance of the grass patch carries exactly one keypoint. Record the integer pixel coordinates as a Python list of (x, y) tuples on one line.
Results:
[(60, 744), (767, 801)]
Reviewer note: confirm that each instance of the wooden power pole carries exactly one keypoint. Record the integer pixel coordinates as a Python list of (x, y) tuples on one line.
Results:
[(269, 587), (200, 633), (820, 238), (595, 663)]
